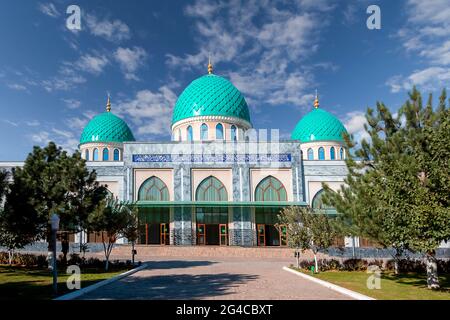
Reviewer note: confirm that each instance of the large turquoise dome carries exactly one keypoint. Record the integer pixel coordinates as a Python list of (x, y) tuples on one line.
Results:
[(319, 125), (106, 127), (210, 95)]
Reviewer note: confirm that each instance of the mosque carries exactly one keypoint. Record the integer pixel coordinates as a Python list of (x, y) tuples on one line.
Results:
[(217, 182)]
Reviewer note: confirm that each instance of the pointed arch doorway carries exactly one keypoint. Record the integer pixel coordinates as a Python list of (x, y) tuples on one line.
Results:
[(211, 222), (154, 223), (269, 189)]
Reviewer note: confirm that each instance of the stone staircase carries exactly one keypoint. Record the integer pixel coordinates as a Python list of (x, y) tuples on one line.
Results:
[(148, 251)]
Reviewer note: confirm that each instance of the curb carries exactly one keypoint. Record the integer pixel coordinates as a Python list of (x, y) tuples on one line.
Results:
[(78, 293), (350, 293)]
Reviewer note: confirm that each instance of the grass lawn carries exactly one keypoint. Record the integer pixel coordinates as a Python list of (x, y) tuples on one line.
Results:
[(28, 283), (410, 286)]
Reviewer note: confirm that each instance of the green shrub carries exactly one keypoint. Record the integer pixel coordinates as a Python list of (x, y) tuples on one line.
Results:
[(95, 262), (24, 259), (444, 266), (4, 258), (354, 265), (74, 258)]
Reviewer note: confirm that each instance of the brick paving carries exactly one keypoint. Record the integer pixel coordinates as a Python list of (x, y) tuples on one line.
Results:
[(212, 278)]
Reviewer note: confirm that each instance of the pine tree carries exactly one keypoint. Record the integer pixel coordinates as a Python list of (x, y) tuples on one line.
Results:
[(50, 182), (397, 192)]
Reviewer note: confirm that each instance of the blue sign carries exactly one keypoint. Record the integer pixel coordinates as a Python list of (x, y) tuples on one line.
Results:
[(224, 158)]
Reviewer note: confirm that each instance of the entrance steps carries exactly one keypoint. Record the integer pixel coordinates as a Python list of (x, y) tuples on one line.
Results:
[(144, 251)]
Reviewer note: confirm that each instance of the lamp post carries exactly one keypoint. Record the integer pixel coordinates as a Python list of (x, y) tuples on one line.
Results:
[(55, 226)]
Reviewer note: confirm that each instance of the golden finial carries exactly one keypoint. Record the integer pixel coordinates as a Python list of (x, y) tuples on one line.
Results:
[(108, 104), (210, 66), (316, 101)]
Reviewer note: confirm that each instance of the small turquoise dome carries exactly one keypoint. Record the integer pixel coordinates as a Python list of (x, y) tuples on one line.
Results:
[(319, 125), (210, 95), (106, 127)]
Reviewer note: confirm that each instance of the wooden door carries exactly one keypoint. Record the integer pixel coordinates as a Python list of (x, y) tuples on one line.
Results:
[(201, 234), (261, 234), (223, 234), (164, 233)]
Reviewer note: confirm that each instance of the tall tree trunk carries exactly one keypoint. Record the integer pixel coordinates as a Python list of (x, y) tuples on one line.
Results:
[(10, 256), (132, 252), (397, 257), (432, 272), (316, 263)]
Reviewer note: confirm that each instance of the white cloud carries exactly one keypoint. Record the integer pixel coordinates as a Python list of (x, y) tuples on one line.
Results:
[(426, 35), (115, 30), (427, 79), (130, 59), (72, 103), (41, 137), (62, 138), (63, 82), (12, 123), (63, 133), (69, 74), (150, 111), (92, 63), (32, 123), (431, 11), (354, 123), (79, 123), (18, 87), (49, 9), (266, 45)]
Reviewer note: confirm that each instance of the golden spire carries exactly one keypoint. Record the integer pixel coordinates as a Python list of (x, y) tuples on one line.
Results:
[(316, 101), (108, 104), (210, 66)]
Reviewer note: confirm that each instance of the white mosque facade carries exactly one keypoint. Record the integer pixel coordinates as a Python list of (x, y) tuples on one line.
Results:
[(216, 182)]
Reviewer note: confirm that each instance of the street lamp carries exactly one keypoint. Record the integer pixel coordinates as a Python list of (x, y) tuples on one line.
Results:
[(55, 227)]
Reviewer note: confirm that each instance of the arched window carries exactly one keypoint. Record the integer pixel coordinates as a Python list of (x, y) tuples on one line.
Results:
[(233, 133), (153, 189), (310, 154), (190, 134), (219, 131), (342, 153), (321, 153), (332, 153), (116, 155), (86, 154), (317, 204), (105, 154), (95, 158), (204, 132), (211, 189), (270, 189)]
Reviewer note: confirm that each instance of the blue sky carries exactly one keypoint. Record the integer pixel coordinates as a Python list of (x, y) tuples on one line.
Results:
[(53, 80)]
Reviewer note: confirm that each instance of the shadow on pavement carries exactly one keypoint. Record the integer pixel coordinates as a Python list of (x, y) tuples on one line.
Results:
[(180, 286), (176, 264)]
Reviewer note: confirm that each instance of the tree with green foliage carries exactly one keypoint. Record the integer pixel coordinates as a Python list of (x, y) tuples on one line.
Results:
[(112, 219), (131, 230), (307, 230), (50, 182), (397, 189), (15, 229), (3, 185)]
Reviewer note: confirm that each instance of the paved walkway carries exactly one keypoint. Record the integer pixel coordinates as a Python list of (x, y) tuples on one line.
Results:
[(171, 278)]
